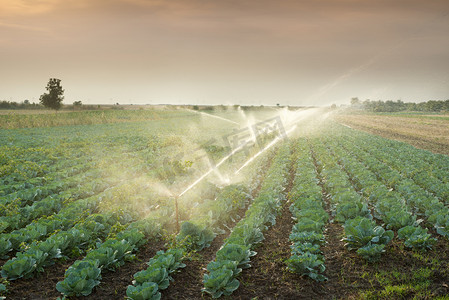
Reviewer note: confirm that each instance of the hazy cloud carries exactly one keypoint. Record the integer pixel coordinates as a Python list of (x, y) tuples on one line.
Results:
[(209, 50)]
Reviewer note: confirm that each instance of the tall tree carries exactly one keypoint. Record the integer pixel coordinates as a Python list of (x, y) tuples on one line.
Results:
[(53, 99)]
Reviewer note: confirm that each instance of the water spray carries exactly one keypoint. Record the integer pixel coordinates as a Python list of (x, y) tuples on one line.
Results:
[(223, 160), (277, 139), (213, 116), (213, 168)]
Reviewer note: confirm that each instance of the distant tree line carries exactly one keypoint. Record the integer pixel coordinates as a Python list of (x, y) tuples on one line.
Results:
[(77, 105), (396, 106), (23, 105)]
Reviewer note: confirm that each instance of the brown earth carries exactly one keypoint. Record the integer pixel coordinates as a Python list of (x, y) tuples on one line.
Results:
[(422, 132)]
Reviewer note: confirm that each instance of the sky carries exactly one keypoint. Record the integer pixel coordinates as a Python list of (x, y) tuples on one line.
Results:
[(249, 52)]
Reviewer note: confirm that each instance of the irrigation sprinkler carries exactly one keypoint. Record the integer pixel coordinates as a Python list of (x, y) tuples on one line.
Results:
[(175, 199), (177, 214)]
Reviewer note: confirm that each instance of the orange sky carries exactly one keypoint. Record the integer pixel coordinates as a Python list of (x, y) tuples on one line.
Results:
[(305, 52)]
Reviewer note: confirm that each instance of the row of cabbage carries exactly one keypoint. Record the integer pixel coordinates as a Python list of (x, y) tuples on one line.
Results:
[(411, 163), (53, 190), (27, 167), (418, 200), (208, 220), (236, 252), (15, 215), (25, 163), (73, 230), (48, 185), (425, 167), (361, 231), (388, 205), (60, 204), (195, 235), (308, 212), (85, 274), (61, 211)]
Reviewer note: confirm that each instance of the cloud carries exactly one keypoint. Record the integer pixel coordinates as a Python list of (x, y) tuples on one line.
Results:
[(24, 7), (252, 48), (23, 27)]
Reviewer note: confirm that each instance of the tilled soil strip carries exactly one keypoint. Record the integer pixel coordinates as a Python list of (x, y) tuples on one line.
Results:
[(268, 277)]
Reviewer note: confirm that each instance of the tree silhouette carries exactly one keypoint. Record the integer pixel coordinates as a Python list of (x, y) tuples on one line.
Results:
[(53, 99)]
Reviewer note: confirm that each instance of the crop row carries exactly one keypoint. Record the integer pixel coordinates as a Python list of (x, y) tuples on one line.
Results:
[(409, 162), (417, 199), (361, 232), (389, 206), (236, 252), (307, 209), (195, 234)]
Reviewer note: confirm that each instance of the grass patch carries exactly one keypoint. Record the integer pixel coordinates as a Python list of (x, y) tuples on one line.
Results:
[(399, 285)]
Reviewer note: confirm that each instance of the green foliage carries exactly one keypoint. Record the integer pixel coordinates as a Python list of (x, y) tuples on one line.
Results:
[(307, 225), (156, 275), (80, 278), (225, 264), (316, 213), (371, 252), (21, 266), (108, 255), (246, 234), (5, 247), (220, 282), (194, 236), (307, 264), (349, 210), (396, 106), (398, 218), (170, 259), (307, 237), (234, 252), (416, 237), (3, 291), (362, 231), (53, 99), (301, 248), (237, 248), (146, 291)]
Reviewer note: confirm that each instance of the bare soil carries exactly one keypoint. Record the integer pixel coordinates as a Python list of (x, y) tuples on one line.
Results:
[(425, 133)]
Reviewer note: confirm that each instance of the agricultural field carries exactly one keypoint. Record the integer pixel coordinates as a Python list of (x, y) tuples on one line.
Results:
[(257, 203), (422, 130)]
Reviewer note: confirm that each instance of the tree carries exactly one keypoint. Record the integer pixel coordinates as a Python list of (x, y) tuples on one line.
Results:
[(53, 99), (355, 101)]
